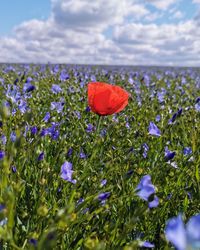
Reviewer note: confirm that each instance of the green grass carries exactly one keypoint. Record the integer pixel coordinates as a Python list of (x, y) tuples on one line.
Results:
[(40, 205)]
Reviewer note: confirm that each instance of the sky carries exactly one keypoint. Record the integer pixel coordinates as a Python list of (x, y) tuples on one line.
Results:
[(109, 32)]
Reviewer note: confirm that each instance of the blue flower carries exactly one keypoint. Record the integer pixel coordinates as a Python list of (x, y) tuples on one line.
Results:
[(34, 130), (33, 242), (58, 106), (169, 155), (104, 196), (3, 139), (184, 237), (154, 202), (175, 233), (14, 169), (23, 106), (87, 109), (77, 114), (47, 117), (13, 136), (41, 156), (158, 118), (103, 182), (146, 244), (28, 87), (82, 155), (146, 189), (89, 128), (197, 100), (175, 116), (44, 132), (146, 149), (187, 151), (197, 106), (193, 231), (2, 207), (56, 89), (2, 154), (66, 172), (69, 152), (154, 130), (64, 76)]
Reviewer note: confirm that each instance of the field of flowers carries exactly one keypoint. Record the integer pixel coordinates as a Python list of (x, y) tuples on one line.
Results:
[(71, 178)]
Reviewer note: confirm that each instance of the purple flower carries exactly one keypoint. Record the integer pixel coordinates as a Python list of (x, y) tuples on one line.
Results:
[(2, 207), (158, 118), (33, 242), (103, 182), (93, 78), (77, 114), (64, 76), (197, 106), (22, 106), (47, 117), (87, 109), (89, 128), (41, 156), (55, 134), (154, 202), (28, 87), (146, 189), (14, 169), (66, 172), (82, 155), (81, 200), (169, 155), (44, 132), (193, 231), (69, 152), (187, 151), (184, 237), (146, 244), (154, 130), (56, 88), (104, 196), (34, 130), (197, 100), (103, 132), (3, 139), (13, 136), (175, 115), (58, 106), (146, 149), (2, 154), (175, 233)]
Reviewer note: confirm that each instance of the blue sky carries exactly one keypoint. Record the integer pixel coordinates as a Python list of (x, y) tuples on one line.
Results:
[(14, 12), (144, 32)]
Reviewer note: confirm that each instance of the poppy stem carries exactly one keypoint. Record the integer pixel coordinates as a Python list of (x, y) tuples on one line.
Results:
[(98, 126)]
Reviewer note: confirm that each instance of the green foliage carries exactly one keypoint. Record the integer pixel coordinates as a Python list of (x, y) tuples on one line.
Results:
[(42, 209)]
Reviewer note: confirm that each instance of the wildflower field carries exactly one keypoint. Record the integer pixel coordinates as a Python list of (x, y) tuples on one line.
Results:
[(74, 178)]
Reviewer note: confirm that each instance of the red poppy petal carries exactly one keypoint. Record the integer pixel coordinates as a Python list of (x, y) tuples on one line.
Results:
[(106, 99)]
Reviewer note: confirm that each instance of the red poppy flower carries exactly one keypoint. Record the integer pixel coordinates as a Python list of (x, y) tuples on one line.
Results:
[(106, 99)]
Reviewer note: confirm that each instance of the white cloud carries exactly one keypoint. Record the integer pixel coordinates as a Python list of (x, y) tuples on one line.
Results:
[(161, 44), (86, 13), (162, 4), (178, 14), (75, 33)]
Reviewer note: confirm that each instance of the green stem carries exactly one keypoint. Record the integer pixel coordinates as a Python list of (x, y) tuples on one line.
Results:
[(98, 127), (94, 152)]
